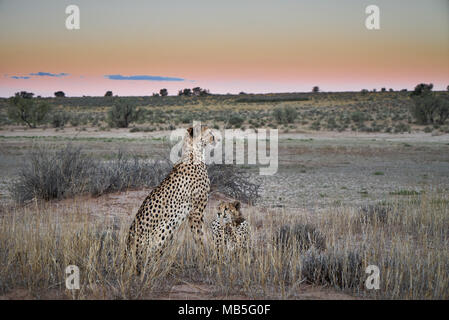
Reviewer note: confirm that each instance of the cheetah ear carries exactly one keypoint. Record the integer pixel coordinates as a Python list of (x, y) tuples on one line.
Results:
[(190, 131), (237, 205)]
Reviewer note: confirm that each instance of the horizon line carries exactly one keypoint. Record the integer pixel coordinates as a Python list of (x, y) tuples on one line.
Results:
[(231, 94)]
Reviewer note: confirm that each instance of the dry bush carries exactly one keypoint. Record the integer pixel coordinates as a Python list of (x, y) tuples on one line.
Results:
[(62, 173), (339, 269), (233, 182), (302, 235), (375, 213), (49, 175)]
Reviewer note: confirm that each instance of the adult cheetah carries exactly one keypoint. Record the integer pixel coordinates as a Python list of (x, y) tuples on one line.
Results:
[(182, 195), (230, 229)]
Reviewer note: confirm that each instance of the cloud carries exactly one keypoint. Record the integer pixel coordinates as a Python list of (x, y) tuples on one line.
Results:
[(48, 74), (19, 77), (141, 77)]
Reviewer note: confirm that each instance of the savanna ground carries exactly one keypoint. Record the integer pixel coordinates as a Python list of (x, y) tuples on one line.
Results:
[(359, 183)]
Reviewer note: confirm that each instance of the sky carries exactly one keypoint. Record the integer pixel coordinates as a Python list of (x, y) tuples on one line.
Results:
[(138, 47)]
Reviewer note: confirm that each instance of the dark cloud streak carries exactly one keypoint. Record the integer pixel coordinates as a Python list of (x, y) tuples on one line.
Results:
[(19, 77), (141, 77), (49, 74)]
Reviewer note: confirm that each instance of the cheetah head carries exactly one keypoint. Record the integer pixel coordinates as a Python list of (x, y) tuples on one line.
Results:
[(229, 213), (201, 136)]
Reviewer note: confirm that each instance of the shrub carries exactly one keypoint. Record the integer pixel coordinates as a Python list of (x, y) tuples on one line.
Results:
[(331, 124), (26, 110), (290, 114), (60, 119), (122, 114), (358, 116), (59, 94), (428, 108), (123, 172), (338, 269), (48, 175), (66, 172), (402, 127), (55, 174), (233, 182), (303, 236), (187, 118), (316, 125), (25, 94), (375, 213), (75, 120), (285, 114), (236, 120)]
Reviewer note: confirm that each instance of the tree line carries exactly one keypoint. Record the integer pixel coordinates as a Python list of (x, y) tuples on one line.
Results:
[(428, 107)]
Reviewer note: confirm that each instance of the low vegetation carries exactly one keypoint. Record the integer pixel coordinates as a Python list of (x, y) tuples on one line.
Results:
[(24, 109), (408, 242), (122, 114), (388, 111), (65, 172), (429, 108)]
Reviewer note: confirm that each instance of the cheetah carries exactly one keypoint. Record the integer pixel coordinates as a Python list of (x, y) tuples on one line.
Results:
[(182, 195), (230, 227)]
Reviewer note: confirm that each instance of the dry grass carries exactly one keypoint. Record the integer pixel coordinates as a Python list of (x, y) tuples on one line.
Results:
[(408, 242)]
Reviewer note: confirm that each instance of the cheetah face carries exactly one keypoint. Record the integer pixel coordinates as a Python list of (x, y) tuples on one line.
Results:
[(202, 135), (229, 212)]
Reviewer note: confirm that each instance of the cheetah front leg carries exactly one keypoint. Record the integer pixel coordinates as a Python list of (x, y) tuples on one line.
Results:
[(196, 222)]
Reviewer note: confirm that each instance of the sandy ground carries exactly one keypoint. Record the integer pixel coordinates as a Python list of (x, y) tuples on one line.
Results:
[(316, 169), (187, 291), (71, 132)]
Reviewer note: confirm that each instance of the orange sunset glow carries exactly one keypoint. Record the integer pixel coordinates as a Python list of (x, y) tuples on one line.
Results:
[(251, 46)]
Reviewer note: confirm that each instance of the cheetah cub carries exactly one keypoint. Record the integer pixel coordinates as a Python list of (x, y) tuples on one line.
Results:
[(229, 228)]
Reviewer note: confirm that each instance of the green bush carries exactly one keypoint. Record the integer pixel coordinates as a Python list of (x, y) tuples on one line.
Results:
[(26, 110), (60, 119), (427, 107), (236, 120), (122, 114), (358, 116), (75, 120), (315, 125), (285, 114), (402, 127)]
